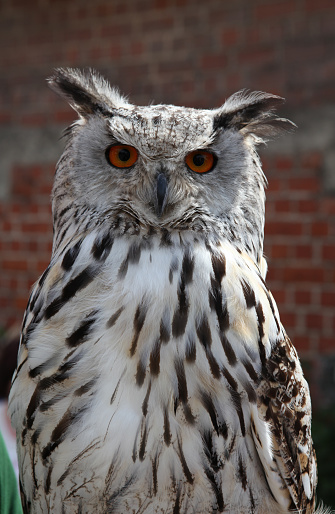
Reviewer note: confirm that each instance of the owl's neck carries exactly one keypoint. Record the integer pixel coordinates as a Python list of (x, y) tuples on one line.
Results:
[(74, 221)]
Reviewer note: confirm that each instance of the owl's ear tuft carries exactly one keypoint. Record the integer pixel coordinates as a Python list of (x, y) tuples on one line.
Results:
[(87, 92), (252, 114)]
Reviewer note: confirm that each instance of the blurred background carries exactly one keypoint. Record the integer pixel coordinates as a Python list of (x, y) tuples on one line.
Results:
[(194, 54)]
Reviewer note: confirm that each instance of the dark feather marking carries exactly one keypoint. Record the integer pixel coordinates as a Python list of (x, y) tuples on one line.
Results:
[(210, 452), (209, 406), (34, 372), (261, 319), (167, 433), (85, 388), (133, 257), (181, 313), (242, 473), (155, 357), (181, 377), (59, 432), (154, 474), (77, 94), (187, 267), (35, 436), (248, 113), (48, 480), (228, 349), (164, 331), (216, 303), (231, 381), (72, 287), (33, 405), (176, 508), (252, 397), (146, 400), (44, 406), (80, 335), (217, 489), (71, 256), (251, 371), (114, 317), (219, 267), (249, 294), (186, 470), (140, 373), (236, 398), (102, 246), (20, 366), (190, 351), (139, 319), (143, 442), (204, 332), (165, 238), (205, 338), (252, 502), (272, 309), (116, 389), (173, 267)]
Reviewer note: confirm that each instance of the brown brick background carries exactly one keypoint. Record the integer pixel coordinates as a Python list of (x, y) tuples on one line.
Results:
[(195, 54)]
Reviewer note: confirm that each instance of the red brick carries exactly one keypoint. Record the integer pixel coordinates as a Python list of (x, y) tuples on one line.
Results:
[(283, 228), (328, 298), (283, 205), (230, 36), (314, 321), (303, 251), (328, 252), (311, 161), (304, 184), (302, 297), (213, 61), (303, 274), (274, 10), (307, 206), (35, 227), (279, 251), (319, 228), (327, 344), (288, 319), (279, 295), (14, 265), (284, 163), (302, 342)]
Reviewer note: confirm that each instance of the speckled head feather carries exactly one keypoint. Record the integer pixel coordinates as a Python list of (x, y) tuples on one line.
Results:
[(154, 374)]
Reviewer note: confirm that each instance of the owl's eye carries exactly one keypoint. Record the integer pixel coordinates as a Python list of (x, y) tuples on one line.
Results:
[(200, 161), (122, 156)]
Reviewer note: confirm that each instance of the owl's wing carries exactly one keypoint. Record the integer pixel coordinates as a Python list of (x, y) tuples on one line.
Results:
[(285, 448), (281, 417)]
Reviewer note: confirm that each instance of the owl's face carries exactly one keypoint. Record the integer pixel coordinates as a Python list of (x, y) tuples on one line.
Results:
[(162, 165)]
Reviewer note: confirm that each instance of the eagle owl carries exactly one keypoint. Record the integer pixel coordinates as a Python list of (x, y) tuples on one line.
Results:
[(154, 375)]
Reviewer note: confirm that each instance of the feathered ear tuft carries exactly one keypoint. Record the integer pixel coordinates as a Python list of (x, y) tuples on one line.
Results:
[(87, 92), (252, 114)]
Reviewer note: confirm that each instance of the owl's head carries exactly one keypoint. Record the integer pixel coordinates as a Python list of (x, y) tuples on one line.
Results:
[(161, 165)]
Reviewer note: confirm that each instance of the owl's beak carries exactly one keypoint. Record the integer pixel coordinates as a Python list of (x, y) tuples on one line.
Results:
[(161, 193)]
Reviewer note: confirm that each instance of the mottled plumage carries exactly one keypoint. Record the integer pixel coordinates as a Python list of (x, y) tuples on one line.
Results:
[(154, 375)]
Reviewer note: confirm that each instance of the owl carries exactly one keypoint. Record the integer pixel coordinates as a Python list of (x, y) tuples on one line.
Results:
[(154, 375)]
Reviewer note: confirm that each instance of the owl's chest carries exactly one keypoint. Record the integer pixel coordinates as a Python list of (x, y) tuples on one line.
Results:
[(145, 373)]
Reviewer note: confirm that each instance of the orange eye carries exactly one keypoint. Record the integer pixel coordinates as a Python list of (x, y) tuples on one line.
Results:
[(122, 156), (200, 161)]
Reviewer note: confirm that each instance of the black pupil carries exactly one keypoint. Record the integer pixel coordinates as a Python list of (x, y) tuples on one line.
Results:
[(124, 155), (198, 159)]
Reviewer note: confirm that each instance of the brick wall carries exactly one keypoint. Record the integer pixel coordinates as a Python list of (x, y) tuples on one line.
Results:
[(190, 53)]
